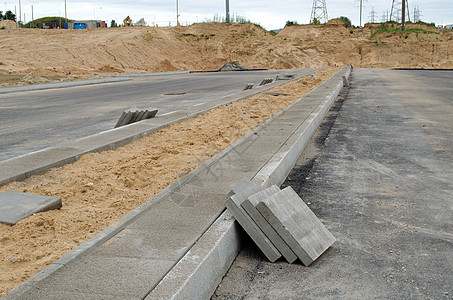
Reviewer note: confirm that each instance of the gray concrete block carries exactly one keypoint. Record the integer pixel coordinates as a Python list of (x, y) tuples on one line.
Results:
[(198, 273), (345, 81), (296, 224), (233, 204), (140, 115), (249, 86), (150, 113), (15, 206), (126, 117), (249, 206), (135, 115)]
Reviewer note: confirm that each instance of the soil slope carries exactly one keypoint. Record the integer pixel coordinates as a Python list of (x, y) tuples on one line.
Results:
[(208, 46)]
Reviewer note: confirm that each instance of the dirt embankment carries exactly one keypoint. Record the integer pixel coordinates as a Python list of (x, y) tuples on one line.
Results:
[(208, 46)]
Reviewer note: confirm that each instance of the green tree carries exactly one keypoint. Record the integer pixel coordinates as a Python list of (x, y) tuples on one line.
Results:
[(1, 15), (113, 24), (9, 16), (316, 22), (291, 23), (347, 21)]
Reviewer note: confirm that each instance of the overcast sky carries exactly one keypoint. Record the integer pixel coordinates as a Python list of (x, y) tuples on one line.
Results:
[(270, 14)]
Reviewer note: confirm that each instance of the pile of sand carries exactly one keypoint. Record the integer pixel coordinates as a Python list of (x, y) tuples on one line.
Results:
[(33, 78), (100, 188), (8, 24), (209, 46)]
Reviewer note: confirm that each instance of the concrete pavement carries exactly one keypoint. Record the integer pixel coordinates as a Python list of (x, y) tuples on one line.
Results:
[(379, 174), (31, 121), (128, 261)]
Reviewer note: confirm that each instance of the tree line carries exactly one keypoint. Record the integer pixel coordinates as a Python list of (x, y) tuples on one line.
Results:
[(8, 15)]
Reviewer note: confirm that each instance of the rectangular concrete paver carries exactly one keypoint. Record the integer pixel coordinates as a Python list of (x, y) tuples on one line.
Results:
[(296, 224), (233, 204), (249, 206), (15, 206)]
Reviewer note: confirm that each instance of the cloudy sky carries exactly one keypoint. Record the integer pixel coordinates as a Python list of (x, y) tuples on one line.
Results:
[(271, 14)]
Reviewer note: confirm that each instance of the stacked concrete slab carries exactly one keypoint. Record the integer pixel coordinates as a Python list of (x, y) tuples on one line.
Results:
[(266, 81), (15, 206), (279, 222), (135, 114), (249, 86)]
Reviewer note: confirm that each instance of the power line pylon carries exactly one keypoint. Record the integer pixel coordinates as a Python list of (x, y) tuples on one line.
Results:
[(319, 12), (373, 16), (395, 13)]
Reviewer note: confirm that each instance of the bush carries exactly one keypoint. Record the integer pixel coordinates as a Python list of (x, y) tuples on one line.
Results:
[(347, 21), (291, 23)]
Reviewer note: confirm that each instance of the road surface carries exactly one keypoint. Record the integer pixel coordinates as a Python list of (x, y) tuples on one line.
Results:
[(31, 121), (379, 175)]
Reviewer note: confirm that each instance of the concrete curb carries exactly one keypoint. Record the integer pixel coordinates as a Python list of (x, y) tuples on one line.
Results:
[(144, 74), (39, 87), (22, 167), (204, 265)]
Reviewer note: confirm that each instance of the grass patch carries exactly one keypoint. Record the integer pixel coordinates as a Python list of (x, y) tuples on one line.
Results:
[(384, 28)]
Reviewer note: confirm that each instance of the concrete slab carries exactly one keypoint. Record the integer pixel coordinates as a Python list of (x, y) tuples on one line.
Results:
[(74, 278), (125, 118), (150, 113), (296, 224), (233, 204), (345, 81), (16, 206), (249, 206)]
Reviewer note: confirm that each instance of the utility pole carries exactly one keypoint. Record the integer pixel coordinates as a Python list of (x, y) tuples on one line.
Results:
[(32, 17), (227, 4), (361, 1), (403, 16), (65, 11), (177, 13), (20, 14)]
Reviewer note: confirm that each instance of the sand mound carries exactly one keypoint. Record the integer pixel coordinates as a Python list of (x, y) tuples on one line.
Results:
[(8, 24), (209, 46), (109, 69), (33, 78)]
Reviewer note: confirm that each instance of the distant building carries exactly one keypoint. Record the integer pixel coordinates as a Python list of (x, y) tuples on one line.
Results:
[(90, 24), (449, 27)]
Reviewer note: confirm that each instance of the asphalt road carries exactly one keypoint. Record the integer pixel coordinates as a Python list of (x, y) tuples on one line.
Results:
[(379, 175), (31, 121)]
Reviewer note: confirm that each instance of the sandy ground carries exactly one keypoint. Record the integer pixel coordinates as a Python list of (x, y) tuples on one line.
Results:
[(100, 188), (208, 46)]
